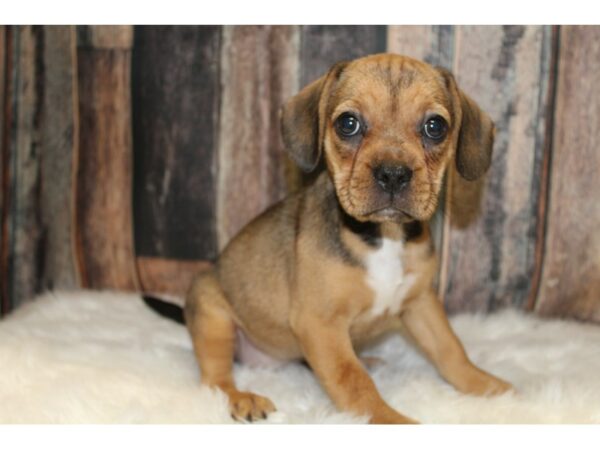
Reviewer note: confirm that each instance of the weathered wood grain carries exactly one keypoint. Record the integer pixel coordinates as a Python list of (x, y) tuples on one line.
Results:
[(175, 117), (2, 106), (491, 226), (544, 173), (58, 138), (24, 240), (5, 120), (259, 71), (324, 45), (168, 276), (3, 88), (435, 45), (106, 36), (104, 226), (571, 271)]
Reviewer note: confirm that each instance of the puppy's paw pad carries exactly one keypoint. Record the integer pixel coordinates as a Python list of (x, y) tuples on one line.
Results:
[(246, 406)]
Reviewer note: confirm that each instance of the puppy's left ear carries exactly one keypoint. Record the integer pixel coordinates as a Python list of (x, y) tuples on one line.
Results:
[(476, 135), (303, 120)]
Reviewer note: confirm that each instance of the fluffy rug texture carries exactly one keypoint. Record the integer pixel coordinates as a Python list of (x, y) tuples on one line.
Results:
[(89, 357)]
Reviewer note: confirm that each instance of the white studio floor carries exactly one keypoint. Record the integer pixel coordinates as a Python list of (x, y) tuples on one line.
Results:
[(89, 357)]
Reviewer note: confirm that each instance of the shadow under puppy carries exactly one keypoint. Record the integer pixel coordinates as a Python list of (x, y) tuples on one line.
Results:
[(349, 257)]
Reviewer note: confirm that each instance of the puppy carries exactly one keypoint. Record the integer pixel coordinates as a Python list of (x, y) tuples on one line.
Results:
[(329, 269)]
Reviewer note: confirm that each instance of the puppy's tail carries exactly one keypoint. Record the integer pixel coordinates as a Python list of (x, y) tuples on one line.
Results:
[(165, 308)]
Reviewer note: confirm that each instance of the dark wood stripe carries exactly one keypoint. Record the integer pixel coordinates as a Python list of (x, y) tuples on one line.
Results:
[(6, 63), (492, 224), (570, 279), (324, 45), (104, 226), (259, 71), (23, 237), (175, 125), (58, 134)]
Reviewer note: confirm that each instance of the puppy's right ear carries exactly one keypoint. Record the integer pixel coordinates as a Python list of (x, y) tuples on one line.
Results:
[(303, 120), (476, 136)]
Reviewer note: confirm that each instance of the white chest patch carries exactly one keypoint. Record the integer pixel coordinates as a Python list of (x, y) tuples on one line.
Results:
[(385, 275)]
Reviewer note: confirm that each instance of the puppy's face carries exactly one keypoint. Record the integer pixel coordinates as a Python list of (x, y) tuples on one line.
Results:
[(388, 126)]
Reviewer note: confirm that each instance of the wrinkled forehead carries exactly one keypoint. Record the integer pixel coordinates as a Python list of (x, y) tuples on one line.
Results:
[(391, 86)]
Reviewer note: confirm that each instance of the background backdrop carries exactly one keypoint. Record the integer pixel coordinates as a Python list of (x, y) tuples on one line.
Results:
[(131, 155)]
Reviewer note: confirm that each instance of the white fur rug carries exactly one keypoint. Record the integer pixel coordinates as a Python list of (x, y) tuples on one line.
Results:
[(89, 357)]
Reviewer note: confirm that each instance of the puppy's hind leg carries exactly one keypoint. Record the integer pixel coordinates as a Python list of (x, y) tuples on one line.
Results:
[(209, 321)]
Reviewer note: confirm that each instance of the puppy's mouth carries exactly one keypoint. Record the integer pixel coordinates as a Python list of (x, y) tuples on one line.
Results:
[(389, 214)]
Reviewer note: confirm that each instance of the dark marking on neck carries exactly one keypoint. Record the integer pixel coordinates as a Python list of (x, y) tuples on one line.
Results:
[(412, 230), (418, 233), (369, 232)]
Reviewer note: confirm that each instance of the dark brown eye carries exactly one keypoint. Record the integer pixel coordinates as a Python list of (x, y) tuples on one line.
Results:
[(348, 125), (435, 128)]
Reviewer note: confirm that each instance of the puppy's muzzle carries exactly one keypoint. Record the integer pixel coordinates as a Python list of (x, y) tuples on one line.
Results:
[(392, 178)]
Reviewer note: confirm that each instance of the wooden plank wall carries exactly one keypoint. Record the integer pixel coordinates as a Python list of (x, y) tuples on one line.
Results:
[(259, 70), (175, 124), (507, 72), (38, 147), (570, 282), (104, 163), (59, 143), (5, 120), (131, 155), (24, 166)]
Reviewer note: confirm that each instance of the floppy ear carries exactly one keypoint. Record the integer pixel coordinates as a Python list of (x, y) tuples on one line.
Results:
[(475, 141), (476, 135), (303, 120)]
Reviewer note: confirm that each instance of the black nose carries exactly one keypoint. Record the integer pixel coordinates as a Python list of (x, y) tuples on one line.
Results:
[(392, 178)]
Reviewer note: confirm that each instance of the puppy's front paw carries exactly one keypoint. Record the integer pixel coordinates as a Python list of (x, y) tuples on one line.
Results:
[(248, 406), (478, 382), (496, 386)]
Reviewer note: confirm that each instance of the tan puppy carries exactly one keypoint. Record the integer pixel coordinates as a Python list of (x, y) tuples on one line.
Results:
[(332, 267)]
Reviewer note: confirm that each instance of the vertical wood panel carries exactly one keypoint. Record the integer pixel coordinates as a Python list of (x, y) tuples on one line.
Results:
[(571, 272), (58, 136), (5, 119), (324, 45), (176, 105), (491, 226), (24, 243), (104, 227), (259, 71), (431, 43), (108, 37), (2, 107)]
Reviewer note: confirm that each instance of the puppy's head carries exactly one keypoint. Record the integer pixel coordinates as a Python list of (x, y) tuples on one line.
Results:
[(388, 126)]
